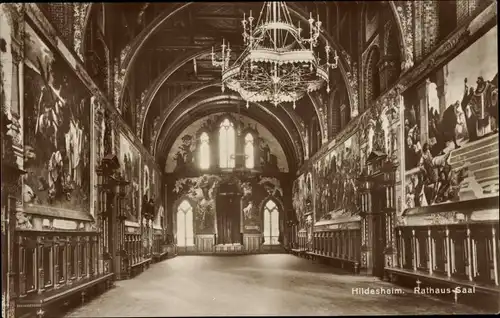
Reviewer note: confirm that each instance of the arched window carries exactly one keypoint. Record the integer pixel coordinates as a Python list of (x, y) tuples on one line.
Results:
[(271, 223), (226, 144), (249, 152), (185, 232), (146, 182), (204, 152)]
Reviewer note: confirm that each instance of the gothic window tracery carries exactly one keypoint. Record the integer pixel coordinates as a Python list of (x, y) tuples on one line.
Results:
[(249, 151), (271, 223), (204, 152), (185, 231), (227, 144)]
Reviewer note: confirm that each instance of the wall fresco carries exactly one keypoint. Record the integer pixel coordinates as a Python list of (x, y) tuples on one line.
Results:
[(130, 169), (302, 197), (56, 131), (203, 191), (335, 181), (448, 116)]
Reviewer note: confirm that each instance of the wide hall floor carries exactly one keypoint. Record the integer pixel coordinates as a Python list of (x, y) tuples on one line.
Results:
[(254, 285)]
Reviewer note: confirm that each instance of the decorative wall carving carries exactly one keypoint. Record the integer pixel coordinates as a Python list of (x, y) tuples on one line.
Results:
[(57, 130), (80, 11), (405, 13), (352, 81)]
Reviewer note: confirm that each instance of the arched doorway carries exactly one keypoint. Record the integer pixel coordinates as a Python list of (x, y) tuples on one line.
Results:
[(271, 223), (185, 232)]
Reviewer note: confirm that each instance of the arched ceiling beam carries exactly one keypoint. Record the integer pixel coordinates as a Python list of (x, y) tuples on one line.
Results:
[(132, 51), (216, 104), (180, 98), (168, 14), (85, 26), (155, 86), (293, 134), (300, 126), (404, 32)]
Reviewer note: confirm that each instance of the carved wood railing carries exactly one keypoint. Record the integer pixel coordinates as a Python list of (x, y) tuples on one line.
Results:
[(133, 247), (302, 240), (343, 244), (158, 243), (51, 260), (463, 252)]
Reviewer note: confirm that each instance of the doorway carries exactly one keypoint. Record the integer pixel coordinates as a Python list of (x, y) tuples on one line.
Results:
[(228, 218)]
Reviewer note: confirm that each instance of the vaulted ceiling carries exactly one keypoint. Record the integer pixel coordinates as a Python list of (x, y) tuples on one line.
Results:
[(168, 76)]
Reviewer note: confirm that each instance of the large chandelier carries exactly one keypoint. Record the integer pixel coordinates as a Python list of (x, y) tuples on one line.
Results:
[(277, 65)]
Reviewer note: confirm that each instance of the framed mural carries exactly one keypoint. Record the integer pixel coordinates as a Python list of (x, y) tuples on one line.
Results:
[(130, 170), (455, 108), (56, 131), (335, 184)]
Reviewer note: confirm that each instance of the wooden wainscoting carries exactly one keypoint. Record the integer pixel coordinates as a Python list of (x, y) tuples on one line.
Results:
[(205, 243), (252, 243), (55, 268)]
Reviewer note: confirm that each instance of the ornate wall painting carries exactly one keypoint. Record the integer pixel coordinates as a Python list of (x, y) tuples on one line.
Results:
[(57, 128), (298, 200), (302, 197), (183, 155), (255, 192), (335, 183), (447, 116), (130, 169), (201, 190)]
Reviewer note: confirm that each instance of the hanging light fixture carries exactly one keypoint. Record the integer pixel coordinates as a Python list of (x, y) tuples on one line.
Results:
[(277, 65)]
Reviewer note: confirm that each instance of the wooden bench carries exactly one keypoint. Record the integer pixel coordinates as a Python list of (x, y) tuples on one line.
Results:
[(412, 278), (140, 266), (158, 257), (38, 304)]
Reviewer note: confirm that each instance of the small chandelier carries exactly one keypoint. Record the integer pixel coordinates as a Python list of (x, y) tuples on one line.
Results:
[(277, 65)]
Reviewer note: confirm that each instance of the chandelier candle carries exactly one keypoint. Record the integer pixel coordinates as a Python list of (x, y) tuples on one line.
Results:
[(277, 64)]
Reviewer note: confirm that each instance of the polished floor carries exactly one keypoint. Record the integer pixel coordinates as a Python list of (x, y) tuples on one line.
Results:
[(255, 285)]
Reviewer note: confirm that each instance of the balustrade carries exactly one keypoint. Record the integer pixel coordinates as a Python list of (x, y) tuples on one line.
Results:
[(302, 240), (51, 260), (340, 244), (157, 243), (463, 252), (133, 247)]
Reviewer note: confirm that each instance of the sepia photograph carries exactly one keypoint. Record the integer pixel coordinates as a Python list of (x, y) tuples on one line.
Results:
[(276, 158)]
